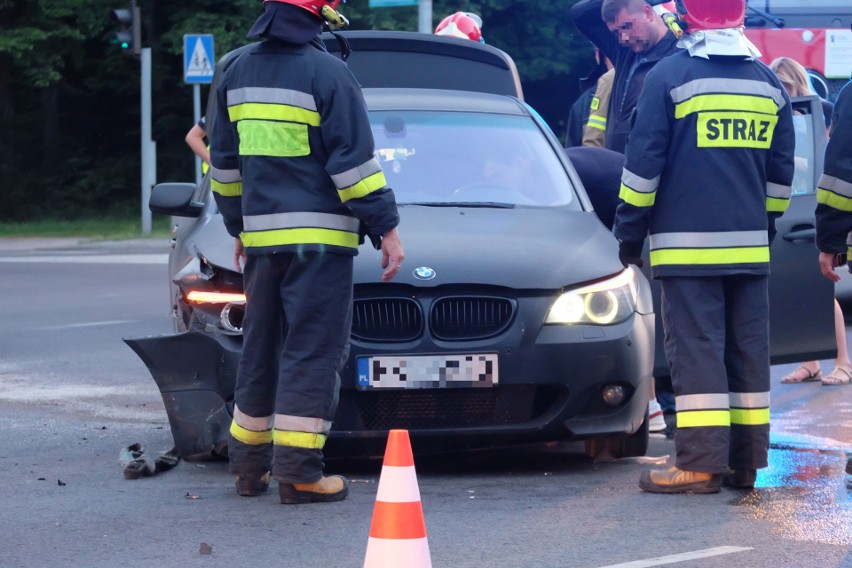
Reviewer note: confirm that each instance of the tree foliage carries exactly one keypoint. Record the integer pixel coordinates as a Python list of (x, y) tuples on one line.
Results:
[(69, 99)]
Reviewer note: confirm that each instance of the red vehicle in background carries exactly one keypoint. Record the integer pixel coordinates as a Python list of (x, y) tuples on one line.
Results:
[(816, 33)]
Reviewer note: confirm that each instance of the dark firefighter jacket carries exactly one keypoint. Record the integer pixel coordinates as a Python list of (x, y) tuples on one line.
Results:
[(834, 195), (631, 68), (712, 169), (292, 164)]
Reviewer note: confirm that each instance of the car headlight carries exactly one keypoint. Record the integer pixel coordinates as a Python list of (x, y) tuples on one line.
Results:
[(604, 303)]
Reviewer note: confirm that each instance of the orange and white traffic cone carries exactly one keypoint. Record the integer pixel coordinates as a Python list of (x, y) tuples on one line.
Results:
[(398, 530)]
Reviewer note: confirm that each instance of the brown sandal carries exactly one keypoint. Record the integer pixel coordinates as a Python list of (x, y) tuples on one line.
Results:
[(838, 376), (803, 375)]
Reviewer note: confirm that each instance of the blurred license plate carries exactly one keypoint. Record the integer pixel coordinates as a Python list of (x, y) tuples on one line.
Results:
[(427, 371)]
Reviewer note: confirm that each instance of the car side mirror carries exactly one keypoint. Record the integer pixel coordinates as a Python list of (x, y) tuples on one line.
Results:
[(173, 198)]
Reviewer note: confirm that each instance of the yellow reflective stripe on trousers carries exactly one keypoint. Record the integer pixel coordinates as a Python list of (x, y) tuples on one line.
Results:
[(270, 111), (636, 198), (299, 237), (834, 200), (750, 416), (699, 418), (364, 187), (745, 255), (776, 205), (250, 437), (234, 189), (307, 440), (726, 102)]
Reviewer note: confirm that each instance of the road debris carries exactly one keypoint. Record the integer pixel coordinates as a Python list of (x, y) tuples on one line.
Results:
[(137, 464)]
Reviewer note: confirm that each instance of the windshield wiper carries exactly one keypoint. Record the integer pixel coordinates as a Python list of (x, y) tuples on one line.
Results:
[(484, 204)]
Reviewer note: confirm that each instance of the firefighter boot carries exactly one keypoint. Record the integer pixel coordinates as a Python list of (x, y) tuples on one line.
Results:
[(327, 489), (674, 480), (740, 478), (252, 486)]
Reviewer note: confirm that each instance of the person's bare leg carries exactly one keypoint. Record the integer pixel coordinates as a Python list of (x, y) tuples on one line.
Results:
[(842, 359)]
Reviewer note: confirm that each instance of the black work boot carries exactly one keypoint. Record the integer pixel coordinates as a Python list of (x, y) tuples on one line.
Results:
[(674, 480), (327, 489), (740, 478), (252, 486)]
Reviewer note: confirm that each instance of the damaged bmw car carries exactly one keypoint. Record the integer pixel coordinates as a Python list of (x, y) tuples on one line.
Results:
[(513, 320)]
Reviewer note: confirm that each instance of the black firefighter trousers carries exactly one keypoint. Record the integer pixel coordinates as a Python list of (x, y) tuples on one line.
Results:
[(295, 330), (717, 346)]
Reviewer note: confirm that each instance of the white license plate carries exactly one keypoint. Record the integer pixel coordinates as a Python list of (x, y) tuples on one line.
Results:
[(427, 371)]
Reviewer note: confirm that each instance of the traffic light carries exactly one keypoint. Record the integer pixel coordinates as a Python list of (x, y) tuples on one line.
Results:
[(128, 33)]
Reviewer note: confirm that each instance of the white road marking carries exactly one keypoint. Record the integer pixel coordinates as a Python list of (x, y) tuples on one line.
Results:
[(90, 324), (675, 558), (90, 259)]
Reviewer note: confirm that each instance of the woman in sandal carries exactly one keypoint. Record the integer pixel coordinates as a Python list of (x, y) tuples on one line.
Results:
[(795, 80)]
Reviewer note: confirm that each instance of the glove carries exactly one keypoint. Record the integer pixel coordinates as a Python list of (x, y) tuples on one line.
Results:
[(630, 253)]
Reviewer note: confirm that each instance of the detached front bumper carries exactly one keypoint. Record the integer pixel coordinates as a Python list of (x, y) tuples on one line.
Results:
[(195, 373)]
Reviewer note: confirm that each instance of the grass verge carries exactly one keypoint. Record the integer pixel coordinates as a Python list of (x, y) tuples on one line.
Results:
[(106, 228)]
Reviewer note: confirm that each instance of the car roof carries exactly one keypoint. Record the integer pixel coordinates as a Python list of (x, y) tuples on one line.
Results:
[(442, 100), (382, 58)]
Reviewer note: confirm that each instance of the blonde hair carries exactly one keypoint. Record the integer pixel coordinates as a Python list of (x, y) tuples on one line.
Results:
[(793, 76)]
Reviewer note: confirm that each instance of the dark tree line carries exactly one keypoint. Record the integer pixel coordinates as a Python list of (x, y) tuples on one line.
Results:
[(69, 99)]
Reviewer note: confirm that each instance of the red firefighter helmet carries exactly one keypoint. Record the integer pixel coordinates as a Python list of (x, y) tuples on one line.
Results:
[(462, 25), (712, 14)]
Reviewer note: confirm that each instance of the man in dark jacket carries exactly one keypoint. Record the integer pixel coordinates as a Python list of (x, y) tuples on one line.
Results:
[(296, 181), (634, 38)]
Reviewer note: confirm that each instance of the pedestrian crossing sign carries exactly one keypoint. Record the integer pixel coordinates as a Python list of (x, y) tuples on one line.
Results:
[(198, 62)]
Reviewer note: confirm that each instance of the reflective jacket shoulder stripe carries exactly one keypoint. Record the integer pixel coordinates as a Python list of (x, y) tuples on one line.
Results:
[(271, 95), (712, 85), (726, 102)]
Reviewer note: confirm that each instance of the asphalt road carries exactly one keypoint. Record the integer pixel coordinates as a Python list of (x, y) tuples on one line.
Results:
[(72, 395)]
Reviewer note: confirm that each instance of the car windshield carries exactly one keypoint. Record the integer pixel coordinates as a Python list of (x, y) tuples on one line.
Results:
[(477, 159)]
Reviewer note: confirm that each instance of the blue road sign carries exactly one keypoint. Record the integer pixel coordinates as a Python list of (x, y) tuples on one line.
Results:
[(198, 61)]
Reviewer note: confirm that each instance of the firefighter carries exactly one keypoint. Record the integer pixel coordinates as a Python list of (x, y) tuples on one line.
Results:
[(294, 175), (708, 177)]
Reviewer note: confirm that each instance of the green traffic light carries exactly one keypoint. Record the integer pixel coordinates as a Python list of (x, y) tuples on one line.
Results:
[(124, 45)]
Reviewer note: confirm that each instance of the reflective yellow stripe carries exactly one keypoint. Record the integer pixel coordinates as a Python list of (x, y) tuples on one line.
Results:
[(598, 122), (268, 111), (750, 416), (299, 237), (735, 130), (775, 205), (698, 418), (727, 102), (636, 198), (307, 440), (747, 255), (364, 187), (234, 189), (250, 437), (834, 200), (279, 139)]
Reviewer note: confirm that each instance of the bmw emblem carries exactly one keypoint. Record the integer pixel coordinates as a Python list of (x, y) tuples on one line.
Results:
[(424, 273)]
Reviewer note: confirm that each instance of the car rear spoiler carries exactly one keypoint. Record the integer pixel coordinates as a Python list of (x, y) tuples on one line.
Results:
[(424, 61)]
